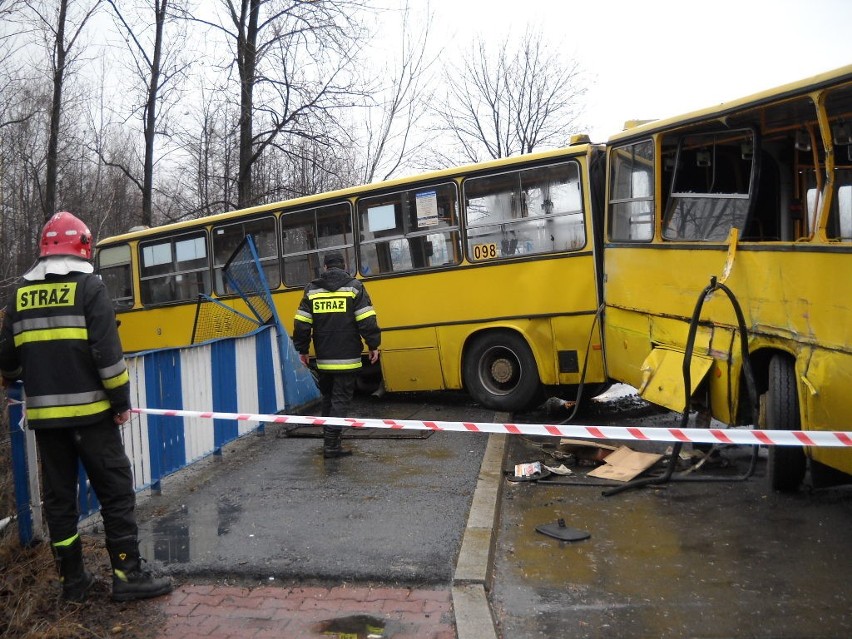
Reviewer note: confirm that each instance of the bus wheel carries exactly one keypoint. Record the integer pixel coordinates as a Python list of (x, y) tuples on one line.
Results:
[(369, 378), (500, 372), (786, 465)]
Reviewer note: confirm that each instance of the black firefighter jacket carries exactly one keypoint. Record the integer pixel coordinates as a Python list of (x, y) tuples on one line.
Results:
[(60, 337), (337, 312)]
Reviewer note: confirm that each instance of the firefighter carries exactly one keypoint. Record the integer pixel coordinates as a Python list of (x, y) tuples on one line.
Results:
[(59, 336), (337, 313)]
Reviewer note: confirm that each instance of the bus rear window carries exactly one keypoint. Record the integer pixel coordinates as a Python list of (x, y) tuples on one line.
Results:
[(114, 270), (174, 269), (525, 212)]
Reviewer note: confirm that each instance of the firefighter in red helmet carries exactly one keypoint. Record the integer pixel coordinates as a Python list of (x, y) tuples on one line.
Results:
[(59, 337)]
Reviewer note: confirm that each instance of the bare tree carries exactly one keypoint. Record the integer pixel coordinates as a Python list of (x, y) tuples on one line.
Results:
[(156, 66), (510, 102), (203, 185), (390, 121), (62, 55), (12, 77), (294, 62)]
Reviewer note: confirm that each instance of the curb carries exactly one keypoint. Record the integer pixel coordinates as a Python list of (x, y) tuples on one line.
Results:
[(473, 616)]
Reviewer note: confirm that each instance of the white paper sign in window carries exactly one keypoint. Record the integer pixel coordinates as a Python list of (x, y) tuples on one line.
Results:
[(427, 209), (381, 218)]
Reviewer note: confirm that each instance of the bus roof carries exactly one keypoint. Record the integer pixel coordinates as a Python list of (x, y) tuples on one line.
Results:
[(646, 127), (574, 150)]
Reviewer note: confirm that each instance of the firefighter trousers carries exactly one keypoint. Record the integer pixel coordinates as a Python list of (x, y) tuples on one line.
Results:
[(99, 448)]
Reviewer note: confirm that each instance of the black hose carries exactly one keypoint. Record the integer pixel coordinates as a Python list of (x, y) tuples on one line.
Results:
[(669, 475), (579, 396)]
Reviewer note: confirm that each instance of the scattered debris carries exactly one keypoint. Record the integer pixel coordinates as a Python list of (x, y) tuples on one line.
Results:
[(562, 532), (587, 453), (528, 470), (625, 464), (561, 469)]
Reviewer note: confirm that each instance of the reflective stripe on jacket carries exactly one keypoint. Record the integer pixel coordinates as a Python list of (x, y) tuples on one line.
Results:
[(337, 313), (59, 336)]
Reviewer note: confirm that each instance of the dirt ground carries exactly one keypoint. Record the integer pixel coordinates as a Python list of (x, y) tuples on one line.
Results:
[(30, 602), (31, 606)]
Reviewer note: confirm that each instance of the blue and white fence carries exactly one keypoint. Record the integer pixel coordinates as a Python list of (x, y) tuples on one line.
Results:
[(248, 374)]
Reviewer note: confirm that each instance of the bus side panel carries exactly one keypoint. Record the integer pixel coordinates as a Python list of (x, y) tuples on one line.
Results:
[(795, 300), (550, 302), (626, 344), (571, 338), (410, 360), (162, 327), (824, 385)]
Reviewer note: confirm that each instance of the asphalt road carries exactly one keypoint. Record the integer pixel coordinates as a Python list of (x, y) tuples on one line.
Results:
[(722, 558), (273, 508), (686, 559)]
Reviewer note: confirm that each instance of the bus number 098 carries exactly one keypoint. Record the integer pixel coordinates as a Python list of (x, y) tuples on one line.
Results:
[(484, 251)]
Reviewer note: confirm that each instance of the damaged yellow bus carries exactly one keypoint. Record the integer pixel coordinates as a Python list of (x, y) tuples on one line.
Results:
[(484, 277), (754, 195)]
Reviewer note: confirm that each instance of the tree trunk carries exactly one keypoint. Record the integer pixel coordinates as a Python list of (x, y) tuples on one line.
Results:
[(247, 63), (55, 113), (151, 115)]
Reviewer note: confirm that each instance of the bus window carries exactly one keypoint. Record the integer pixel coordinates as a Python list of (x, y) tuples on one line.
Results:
[(631, 192), (407, 230), (114, 270), (174, 269), (839, 106), (306, 236), (537, 210), (710, 187), (227, 237), (841, 207)]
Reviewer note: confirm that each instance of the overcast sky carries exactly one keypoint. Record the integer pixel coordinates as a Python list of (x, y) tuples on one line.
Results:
[(650, 59)]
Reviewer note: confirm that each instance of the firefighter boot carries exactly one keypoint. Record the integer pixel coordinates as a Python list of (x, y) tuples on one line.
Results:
[(75, 579), (129, 580), (331, 448)]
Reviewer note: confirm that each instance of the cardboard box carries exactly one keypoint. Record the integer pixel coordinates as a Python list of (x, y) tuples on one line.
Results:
[(624, 464)]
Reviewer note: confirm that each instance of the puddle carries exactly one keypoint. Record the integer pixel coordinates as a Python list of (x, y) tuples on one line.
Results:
[(179, 537), (354, 627)]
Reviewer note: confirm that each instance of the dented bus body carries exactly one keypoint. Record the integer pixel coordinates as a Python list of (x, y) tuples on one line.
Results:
[(754, 195)]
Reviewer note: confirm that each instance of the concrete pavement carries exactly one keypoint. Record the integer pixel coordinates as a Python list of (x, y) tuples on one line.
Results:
[(461, 611), (393, 542)]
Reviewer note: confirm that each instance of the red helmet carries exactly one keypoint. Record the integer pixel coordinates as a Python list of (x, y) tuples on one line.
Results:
[(64, 234)]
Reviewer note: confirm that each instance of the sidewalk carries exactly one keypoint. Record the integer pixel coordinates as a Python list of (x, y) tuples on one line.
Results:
[(281, 612), (257, 541)]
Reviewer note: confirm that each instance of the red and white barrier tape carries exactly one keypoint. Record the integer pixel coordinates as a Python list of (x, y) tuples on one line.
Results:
[(695, 435)]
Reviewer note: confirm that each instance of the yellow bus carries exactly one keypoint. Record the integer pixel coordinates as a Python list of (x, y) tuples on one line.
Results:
[(484, 278), (756, 193)]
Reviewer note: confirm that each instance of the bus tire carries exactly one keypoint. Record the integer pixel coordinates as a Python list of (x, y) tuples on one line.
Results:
[(785, 465), (500, 372), (369, 378)]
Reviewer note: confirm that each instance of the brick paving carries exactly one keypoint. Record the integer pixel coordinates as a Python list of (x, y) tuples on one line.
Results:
[(342, 612)]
